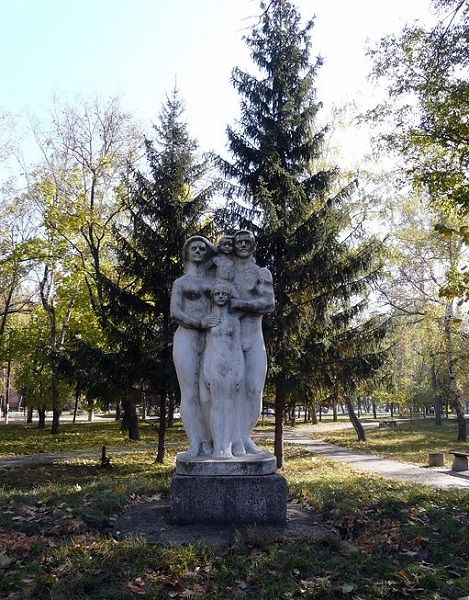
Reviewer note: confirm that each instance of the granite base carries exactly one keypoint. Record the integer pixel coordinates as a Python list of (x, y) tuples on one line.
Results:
[(231, 499)]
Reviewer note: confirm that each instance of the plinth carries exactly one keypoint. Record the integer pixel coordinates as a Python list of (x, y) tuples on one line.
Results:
[(246, 489)]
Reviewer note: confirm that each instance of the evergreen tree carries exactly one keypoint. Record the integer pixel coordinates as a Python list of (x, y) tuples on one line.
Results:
[(293, 205), (163, 207)]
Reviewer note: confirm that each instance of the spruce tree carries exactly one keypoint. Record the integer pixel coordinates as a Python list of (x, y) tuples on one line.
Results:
[(165, 204), (294, 205)]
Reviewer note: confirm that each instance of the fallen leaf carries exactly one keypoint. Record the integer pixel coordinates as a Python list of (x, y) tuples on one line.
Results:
[(5, 560)]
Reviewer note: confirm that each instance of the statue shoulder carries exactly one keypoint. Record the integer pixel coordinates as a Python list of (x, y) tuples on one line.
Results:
[(265, 275), (178, 282)]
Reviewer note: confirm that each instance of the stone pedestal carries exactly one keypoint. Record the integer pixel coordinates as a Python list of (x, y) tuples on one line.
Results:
[(244, 490)]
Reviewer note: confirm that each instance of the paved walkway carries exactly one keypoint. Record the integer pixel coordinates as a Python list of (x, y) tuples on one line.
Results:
[(438, 477)]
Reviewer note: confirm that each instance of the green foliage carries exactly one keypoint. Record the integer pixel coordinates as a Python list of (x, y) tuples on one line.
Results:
[(425, 71), (165, 203), (300, 211), (160, 206)]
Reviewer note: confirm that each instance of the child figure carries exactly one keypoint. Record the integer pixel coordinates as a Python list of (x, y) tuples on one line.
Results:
[(222, 372), (224, 259)]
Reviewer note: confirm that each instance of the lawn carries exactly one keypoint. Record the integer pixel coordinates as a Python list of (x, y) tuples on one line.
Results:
[(408, 442), (20, 439), (387, 540)]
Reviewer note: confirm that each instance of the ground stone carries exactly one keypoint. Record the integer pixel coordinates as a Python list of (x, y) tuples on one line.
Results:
[(151, 521)]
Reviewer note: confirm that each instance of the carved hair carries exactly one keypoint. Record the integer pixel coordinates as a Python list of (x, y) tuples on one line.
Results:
[(225, 237), (196, 238)]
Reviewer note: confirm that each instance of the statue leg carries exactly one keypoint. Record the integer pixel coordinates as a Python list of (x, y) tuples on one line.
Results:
[(256, 369), (205, 410), (186, 357), (221, 417)]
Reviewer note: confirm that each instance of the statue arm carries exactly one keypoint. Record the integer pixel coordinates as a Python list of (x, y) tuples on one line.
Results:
[(177, 311), (260, 306), (264, 303)]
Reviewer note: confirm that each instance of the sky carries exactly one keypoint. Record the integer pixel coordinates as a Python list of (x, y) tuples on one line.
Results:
[(139, 49)]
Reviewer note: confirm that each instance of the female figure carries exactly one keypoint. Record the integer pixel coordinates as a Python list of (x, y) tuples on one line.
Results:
[(222, 374), (190, 303)]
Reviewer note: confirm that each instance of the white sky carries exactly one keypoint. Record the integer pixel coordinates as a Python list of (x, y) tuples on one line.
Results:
[(138, 48)]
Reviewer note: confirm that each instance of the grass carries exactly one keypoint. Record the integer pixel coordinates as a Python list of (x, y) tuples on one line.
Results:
[(388, 540), (408, 442), (22, 439)]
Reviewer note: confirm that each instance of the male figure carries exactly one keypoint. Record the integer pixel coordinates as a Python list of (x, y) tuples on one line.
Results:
[(254, 288)]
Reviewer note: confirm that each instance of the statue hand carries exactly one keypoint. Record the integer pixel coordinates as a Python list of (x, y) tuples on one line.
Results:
[(210, 321)]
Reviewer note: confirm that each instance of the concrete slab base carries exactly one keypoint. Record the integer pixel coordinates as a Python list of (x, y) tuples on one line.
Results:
[(150, 520), (228, 499)]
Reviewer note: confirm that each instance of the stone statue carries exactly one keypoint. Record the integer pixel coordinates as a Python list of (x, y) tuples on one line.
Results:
[(222, 373), (224, 260), (219, 351), (190, 303), (254, 288)]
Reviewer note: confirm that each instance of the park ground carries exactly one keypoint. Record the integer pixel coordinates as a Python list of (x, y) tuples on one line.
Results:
[(386, 539)]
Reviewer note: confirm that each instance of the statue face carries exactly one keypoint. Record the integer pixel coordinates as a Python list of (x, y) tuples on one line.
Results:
[(220, 297), (197, 251), (243, 246), (225, 245)]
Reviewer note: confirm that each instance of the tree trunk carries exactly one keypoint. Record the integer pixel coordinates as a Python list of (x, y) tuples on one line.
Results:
[(75, 407), (144, 403), (41, 424), (279, 412), (118, 411), (314, 418), (293, 416), (438, 400), (334, 412), (55, 427), (162, 425), (29, 413), (171, 406), (454, 393), (130, 419), (355, 420), (374, 410), (7, 388)]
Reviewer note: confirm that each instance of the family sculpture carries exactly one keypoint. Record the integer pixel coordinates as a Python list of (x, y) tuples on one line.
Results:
[(218, 350)]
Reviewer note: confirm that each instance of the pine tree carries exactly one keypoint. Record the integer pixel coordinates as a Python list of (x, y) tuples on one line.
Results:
[(293, 205), (163, 207)]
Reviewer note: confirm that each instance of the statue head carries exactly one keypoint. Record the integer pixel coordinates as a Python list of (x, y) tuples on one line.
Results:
[(225, 244), (244, 243), (196, 250), (221, 293)]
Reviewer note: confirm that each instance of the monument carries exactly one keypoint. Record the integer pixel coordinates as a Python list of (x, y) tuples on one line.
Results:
[(221, 364)]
